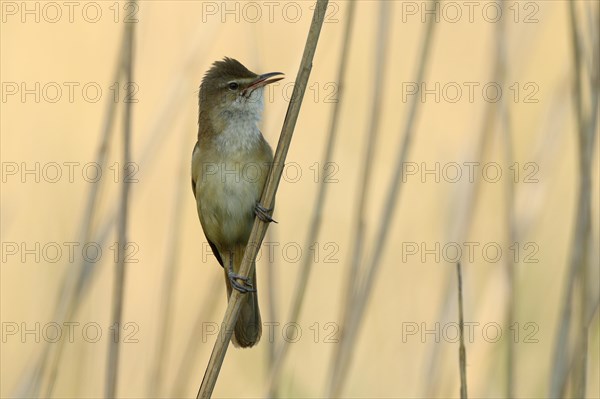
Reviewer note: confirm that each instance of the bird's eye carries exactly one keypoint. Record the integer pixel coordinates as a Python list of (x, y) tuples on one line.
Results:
[(233, 86)]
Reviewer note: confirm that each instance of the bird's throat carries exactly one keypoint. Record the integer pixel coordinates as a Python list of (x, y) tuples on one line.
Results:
[(234, 126), (239, 134)]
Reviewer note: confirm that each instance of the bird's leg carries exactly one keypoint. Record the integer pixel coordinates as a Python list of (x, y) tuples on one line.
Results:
[(263, 213), (243, 287)]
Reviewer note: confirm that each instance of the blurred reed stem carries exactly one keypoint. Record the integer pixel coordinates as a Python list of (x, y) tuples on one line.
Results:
[(112, 368), (459, 233), (259, 228), (462, 352), (578, 271), (468, 207), (511, 239), (73, 284), (372, 133), (316, 220), (197, 337), (350, 329), (171, 270)]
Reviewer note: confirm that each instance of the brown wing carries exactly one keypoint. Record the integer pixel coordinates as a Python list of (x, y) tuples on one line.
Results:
[(193, 179), (212, 246), (215, 251)]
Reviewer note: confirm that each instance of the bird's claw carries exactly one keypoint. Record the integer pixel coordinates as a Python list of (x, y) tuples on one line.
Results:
[(264, 214), (243, 287)]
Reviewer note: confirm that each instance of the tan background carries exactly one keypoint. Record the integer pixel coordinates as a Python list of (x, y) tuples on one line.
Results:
[(176, 43)]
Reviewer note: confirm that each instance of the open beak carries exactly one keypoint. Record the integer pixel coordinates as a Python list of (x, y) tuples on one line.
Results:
[(262, 80)]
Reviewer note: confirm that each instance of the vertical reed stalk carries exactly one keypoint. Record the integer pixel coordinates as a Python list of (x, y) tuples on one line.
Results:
[(118, 295), (171, 269), (206, 312), (579, 257), (315, 224), (371, 136), (511, 239), (462, 352), (259, 228), (350, 330)]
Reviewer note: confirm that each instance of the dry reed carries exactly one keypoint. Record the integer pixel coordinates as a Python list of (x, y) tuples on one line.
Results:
[(315, 224), (112, 368), (350, 329), (259, 228)]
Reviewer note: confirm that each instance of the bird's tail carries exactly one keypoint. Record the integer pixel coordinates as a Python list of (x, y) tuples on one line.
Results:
[(248, 329)]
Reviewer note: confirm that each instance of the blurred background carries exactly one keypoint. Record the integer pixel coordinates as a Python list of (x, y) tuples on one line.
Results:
[(483, 113)]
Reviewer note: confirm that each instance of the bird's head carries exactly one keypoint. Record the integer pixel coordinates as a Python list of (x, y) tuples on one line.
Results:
[(229, 87)]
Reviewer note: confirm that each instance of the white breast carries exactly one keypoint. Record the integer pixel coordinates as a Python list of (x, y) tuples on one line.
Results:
[(241, 132), (230, 188)]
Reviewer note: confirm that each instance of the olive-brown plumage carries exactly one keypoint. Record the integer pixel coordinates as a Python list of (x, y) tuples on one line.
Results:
[(230, 164)]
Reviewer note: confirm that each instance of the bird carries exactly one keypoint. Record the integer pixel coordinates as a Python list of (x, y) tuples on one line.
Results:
[(230, 164)]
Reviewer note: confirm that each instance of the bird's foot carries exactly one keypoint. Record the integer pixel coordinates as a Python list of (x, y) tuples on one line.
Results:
[(243, 287), (263, 213)]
